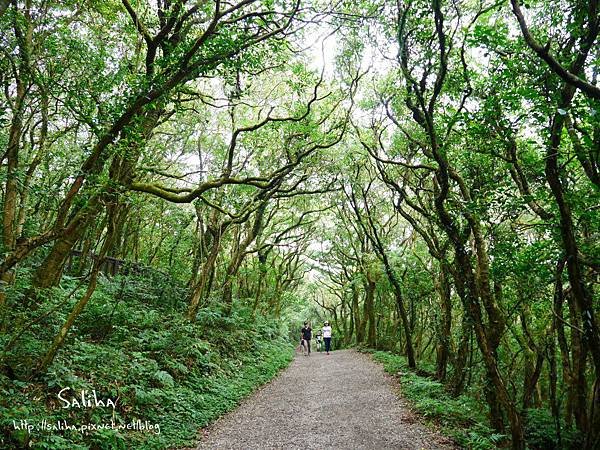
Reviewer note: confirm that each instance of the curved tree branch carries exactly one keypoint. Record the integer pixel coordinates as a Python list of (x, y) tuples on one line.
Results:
[(544, 51)]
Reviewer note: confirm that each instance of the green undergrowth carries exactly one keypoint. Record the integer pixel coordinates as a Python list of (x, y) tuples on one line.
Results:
[(167, 376), (459, 418), (463, 418)]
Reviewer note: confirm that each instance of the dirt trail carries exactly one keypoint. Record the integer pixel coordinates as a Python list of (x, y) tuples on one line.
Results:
[(340, 401)]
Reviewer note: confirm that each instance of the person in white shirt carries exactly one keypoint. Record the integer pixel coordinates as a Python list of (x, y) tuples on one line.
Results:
[(327, 336)]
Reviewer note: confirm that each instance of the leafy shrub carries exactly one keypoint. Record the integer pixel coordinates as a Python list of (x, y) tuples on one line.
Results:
[(130, 345), (540, 431)]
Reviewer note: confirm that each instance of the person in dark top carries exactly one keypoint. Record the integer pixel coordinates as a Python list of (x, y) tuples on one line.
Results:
[(307, 335)]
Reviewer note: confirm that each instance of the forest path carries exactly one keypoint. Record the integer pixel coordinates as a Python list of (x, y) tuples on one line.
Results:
[(338, 401)]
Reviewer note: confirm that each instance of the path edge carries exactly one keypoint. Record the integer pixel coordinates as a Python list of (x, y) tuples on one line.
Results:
[(205, 430), (395, 382)]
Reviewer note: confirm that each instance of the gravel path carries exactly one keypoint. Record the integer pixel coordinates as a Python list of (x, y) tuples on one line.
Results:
[(340, 401)]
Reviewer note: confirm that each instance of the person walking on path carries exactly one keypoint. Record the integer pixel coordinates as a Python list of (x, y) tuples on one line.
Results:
[(327, 336), (307, 335)]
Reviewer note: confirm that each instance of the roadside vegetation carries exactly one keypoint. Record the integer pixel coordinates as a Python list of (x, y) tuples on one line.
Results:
[(133, 346), (464, 418), (183, 183)]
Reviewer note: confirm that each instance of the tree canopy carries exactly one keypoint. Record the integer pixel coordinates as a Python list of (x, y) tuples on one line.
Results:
[(424, 174)]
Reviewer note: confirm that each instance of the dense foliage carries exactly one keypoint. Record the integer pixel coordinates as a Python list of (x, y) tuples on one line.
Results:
[(461, 416), (178, 176), (137, 349)]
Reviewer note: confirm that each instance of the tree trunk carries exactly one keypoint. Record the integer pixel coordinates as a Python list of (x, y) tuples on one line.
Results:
[(50, 271), (239, 253), (459, 362), (369, 312), (200, 288), (444, 325), (121, 172), (471, 286), (358, 323), (9, 211), (113, 213), (554, 406), (580, 300), (262, 272)]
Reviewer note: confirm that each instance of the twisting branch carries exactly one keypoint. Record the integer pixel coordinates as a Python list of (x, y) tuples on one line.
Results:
[(543, 51)]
